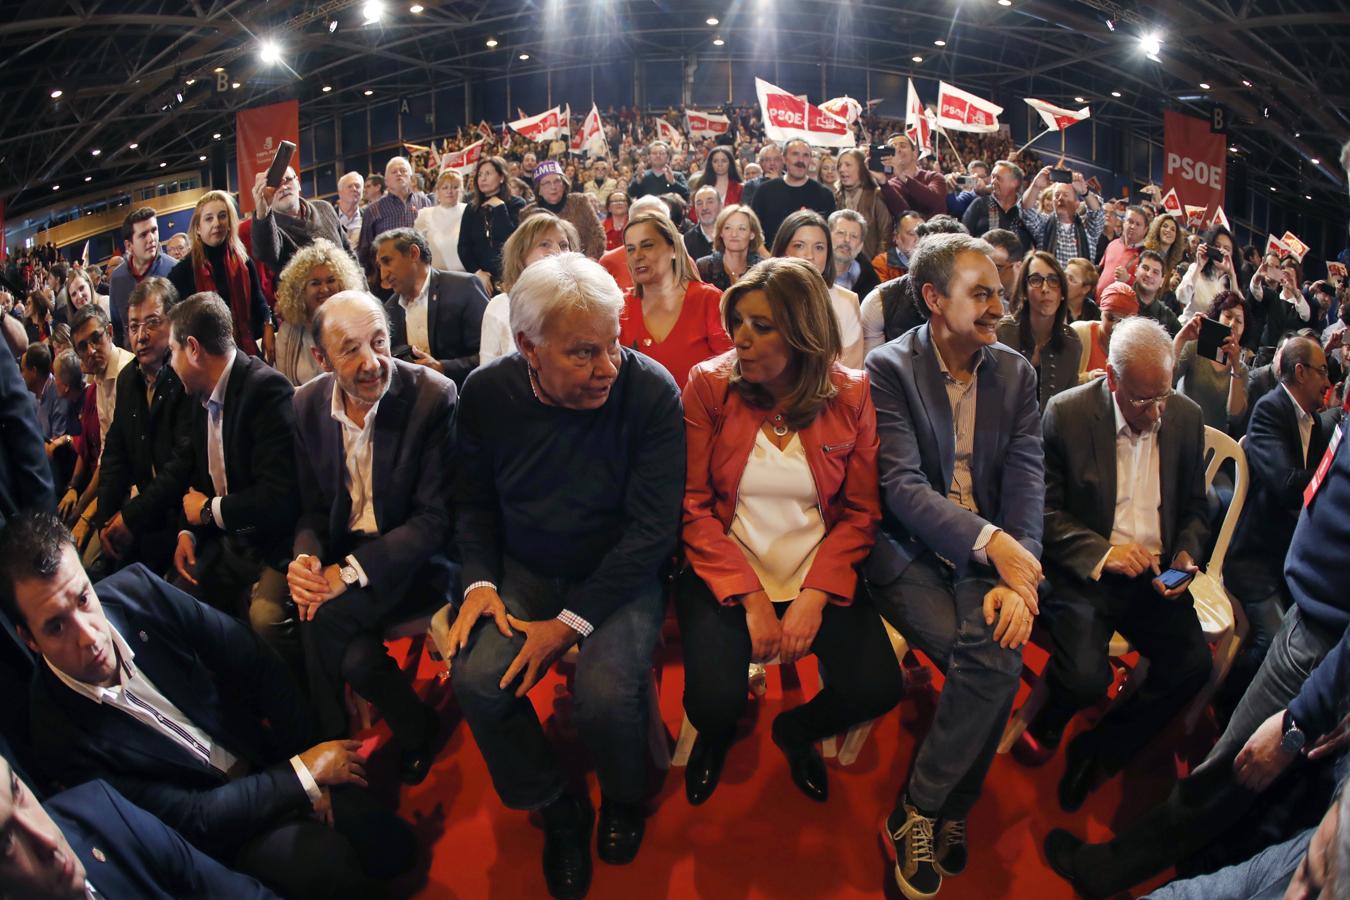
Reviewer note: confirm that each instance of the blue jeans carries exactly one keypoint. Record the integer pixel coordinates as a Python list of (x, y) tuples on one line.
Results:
[(1263, 877), (609, 692), (944, 617)]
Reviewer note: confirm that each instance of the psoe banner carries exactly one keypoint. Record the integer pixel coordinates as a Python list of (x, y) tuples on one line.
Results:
[(788, 116), (257, 134), (1194, 160)]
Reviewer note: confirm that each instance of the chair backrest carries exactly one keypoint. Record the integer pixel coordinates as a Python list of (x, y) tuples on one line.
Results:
[(1219, 448), (1084, 332)]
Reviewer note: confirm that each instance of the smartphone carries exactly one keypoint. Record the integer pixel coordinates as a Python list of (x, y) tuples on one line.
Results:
[(967, 182), (1061, 176), (1175, 578), (874, 156), (277, 170), (1212, 336)]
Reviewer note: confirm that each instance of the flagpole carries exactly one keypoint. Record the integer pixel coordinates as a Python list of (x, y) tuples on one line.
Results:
[(942, 131), (1035, 139)]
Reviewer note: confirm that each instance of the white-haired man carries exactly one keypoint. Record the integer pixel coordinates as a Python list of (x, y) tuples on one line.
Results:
[(283, 222), (572, 401), (396, 209), (350, 188)]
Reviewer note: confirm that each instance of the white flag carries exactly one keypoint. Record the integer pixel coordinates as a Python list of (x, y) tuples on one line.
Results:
[(959, 110)]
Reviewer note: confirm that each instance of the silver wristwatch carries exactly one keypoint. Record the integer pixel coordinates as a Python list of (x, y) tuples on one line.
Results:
[(348, 575)]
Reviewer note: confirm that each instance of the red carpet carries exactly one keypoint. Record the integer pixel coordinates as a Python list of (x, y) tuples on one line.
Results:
[(757, 837)]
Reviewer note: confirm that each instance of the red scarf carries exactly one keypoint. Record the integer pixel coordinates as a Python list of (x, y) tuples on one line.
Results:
[(237, 288)]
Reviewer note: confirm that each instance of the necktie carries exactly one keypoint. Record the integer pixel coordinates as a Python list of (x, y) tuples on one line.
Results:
[(215, 449)]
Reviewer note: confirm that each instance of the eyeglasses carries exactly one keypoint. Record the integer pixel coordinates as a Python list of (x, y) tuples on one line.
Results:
[(151, 324), (1036, 282), (1320, 370), (94, 340), (1150, 402)]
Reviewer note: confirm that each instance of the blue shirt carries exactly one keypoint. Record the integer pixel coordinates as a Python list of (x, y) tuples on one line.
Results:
[(120, 285), (56, 416)]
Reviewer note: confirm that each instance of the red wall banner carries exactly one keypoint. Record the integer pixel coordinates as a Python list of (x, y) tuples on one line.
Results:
[(258, 132), (1195, 161)]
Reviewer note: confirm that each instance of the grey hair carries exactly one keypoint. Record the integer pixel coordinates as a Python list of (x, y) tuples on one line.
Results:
[(556, 284), (1010, 166), (394, 159), (66, 366), (1136, 340), (351, 175), (648, 203), (934, 260), (328, 308), (764, 150), (848, 215), (704, 188), (1295, 351)]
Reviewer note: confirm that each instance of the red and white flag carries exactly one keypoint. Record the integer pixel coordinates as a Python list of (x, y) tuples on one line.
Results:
[(544, 127), (918, 126), (1296, 247), (1195, 216), (1057, 117), (1336, 272), (1172, 203), (590, 137), (669, 133), (1220, 219), (485, 130), (1277, 246), (788, 116), (958, 110), (462, 161), (703, 124)]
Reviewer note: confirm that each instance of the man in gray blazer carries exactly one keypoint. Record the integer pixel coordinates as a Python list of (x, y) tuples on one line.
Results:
[(373, 462), (955, 567), (435, 317), (1125, 500)]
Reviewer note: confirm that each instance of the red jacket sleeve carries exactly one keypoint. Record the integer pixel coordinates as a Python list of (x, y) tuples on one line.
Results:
[(715, 557), (850, 538), (719, 341)]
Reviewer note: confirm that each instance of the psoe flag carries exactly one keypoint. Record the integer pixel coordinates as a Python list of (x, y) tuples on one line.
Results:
[(546, 126), (918, 125), (787, 117), (959, 110), (462, 161), (702, 124), (1057, 117)]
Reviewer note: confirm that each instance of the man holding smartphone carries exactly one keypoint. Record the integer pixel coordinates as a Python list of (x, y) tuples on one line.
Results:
[(1126, 522), (1063, 231)]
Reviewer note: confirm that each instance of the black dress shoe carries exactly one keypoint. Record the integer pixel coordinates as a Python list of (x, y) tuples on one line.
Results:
[(704, 769), (415, 762), (1082, 775), (618, 835), (1060, 847), (804, 763), (567, 848)]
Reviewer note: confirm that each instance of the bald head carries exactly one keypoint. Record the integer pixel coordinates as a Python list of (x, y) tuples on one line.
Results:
[(341, 311), (648, 204), (351, 337)]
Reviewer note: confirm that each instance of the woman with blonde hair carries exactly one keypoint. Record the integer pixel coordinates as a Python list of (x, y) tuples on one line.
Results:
[(219, 263), (669, 314), (538, 236), (439, 224), (738, 244), (781, 507), (314, 274)]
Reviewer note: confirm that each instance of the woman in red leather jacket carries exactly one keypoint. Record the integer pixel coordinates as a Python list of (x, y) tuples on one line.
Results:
[(781, 506)]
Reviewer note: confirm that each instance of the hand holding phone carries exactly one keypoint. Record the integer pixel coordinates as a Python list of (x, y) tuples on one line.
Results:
[(1212, 336), (280, 160), (1175, 578)]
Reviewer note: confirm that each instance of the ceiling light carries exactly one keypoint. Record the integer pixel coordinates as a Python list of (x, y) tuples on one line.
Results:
[(327, 88), (56, 94), (202, 157), (1315, 161), (179, 95), (1246, 83), (492, 42), (218, 69), (216, 136), (1272, 188), (367, 92), (522, 57), (1151, 44), (1298, 134), (133, 145), (1307, 196), (91, 178), (95, 152), (269, 51), (1005, 2), (190, 82), (712, 20), (235, 85), (56, 187), (1115, 93), (1204, 85), (917, 59), (372, 11), (332, 25), (162, 165), (718, 42), (939, 43), (415, 8), (1079, 99)]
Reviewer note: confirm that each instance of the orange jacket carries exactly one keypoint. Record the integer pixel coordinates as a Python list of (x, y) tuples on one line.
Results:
[(841, 451)]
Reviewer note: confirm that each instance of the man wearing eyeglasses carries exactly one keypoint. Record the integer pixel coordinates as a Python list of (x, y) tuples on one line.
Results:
[(144, 459), (283, 222), (1124, 503)]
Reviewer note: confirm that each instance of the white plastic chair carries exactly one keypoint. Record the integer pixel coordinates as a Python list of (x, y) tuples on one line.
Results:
[(1221, 619), (844, 752)]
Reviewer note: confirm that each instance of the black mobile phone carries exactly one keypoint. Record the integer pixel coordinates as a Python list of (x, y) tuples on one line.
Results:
[(1212, 335), (277, 170), (1061, 176), (1175, 578), (874, 156)]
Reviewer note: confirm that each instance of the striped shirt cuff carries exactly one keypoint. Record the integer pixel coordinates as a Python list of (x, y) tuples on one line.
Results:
[(477, 584), (576, 623)]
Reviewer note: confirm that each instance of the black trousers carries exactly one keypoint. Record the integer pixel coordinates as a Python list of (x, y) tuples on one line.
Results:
[(862, 676), (302, 858), (1082, 617)]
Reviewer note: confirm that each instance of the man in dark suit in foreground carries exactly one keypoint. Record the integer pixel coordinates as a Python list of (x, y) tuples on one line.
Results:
[(373, 459), (190, 716), (1124, 501), (25, 475), (90, 841), (956, 563), (435, 317)]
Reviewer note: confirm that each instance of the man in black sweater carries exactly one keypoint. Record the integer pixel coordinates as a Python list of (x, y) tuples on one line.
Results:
[(782, 197), (659, 178), (567, 498)]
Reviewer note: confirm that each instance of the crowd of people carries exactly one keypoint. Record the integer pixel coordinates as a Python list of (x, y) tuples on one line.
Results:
[(800, 397)]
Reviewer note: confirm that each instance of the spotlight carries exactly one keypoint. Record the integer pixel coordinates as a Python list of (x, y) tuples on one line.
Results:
[(1315, 161), (56, 187), (269, 51), (522, 57), (327, 88), (1005, 2), (917, 59), (1204, 85), (202, 157), (1246, 83), (1115, 93), (91, 178), (1079, 99), (218, 69), (718, 42), (179, 95), (56, 94), (415, 8), (1151, 44), (234, 85), (713, 20), (163, 164), (367, 92), (1307, 196), (95, 152), (1298, 134), (133, 145), (491, 42), (1272, 188), (190, 82), (372, 11), (216, 136), (1110, 25), (939, 43), (332, 25)]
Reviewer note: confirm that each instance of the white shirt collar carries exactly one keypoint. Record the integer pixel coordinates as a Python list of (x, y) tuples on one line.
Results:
[(218, 392), (338, 410), (423, 296), (1124, 426), (96, 692), (116, 360), (1303, 414)]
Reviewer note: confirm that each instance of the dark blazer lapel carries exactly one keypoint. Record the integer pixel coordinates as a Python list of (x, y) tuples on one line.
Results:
[(434, 303), (390, 420), (1104, 455), (988, 418), (235, 409), (933, 391), (333, 459), (1169, 461), (398, 325)]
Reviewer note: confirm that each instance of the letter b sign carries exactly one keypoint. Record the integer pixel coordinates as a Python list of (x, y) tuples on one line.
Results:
[(1218, 119)]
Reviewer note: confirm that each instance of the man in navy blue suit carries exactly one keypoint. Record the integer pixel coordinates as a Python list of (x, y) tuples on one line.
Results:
[(91, 842), (191, 716), (962, 488)]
